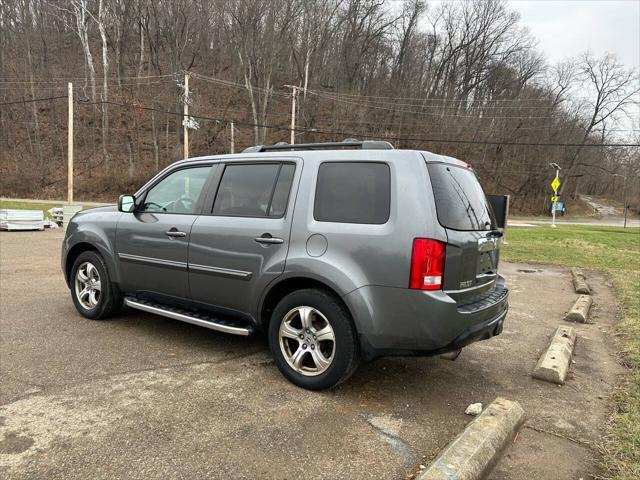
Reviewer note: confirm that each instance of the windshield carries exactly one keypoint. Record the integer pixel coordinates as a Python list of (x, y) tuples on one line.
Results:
[(460, 202)]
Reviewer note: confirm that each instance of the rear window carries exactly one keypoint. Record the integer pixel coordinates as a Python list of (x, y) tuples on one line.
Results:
[(353, 192), (460, 202)]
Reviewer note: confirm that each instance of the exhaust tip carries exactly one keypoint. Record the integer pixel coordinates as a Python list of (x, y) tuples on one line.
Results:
[(451, 355)]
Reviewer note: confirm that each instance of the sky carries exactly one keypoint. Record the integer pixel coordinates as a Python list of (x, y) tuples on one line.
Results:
[(567, 28)]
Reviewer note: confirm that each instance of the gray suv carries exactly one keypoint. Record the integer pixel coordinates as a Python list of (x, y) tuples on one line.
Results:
[(339, 252)]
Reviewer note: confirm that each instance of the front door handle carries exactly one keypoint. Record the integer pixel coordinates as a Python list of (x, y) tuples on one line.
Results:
[(175, 233), (266, 238)]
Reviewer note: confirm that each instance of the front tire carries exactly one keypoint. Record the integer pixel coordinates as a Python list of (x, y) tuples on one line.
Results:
[(93, 294), (313, 340)]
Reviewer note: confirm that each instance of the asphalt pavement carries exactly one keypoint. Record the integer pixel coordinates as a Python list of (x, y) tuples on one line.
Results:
[(145, 397)]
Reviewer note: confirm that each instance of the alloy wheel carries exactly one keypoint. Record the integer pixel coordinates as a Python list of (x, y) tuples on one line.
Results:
[(307, 341), (88, 287)]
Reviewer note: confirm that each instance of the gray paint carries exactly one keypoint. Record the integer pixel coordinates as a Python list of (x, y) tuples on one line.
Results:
[(224, 264)]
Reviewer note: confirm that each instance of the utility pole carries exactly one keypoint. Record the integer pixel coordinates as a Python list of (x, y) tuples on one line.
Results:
[(233, 146), (555, 184), (185, 117), (294, 95), (70, 146)]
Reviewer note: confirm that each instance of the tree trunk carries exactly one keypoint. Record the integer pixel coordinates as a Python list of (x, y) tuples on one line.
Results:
[(102, 14)]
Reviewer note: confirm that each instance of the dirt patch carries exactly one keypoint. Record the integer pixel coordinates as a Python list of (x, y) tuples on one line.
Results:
[(13, 443)]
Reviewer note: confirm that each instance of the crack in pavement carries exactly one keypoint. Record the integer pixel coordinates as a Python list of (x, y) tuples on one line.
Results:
[(388, 428), (580, 442)]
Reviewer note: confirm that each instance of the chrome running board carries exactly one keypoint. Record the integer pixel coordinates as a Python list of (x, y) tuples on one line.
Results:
[(188, 317)]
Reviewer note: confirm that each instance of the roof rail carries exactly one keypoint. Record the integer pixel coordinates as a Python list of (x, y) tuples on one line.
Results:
[(349, 143)]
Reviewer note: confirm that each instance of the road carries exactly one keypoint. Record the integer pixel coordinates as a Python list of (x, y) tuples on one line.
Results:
[(144, 397), (608, 216), (610, 221)]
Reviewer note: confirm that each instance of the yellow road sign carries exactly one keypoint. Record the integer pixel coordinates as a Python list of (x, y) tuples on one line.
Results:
[(555, 183), (554, 198)]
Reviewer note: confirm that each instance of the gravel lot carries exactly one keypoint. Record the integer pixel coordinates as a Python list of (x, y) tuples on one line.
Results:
[(145, 397)]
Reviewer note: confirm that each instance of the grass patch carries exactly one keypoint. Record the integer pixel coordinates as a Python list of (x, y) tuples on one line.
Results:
[(44, 206), (616, 251)]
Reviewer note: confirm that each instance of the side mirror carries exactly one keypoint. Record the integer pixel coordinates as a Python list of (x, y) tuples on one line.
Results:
[(126, 203)]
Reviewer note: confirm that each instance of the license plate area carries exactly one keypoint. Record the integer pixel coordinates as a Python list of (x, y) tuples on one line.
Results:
[(487, 257)]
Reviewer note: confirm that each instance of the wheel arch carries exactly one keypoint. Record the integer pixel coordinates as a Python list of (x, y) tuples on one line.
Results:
[(84, 246), (285, 286)]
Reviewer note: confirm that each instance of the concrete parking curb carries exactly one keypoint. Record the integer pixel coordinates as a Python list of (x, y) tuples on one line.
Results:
[(579, 281), (473, 453), (554, 363), (580, 310)]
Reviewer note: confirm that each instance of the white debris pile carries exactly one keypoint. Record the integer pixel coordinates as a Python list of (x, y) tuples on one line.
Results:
[(474, 409), (12, 219), (56, 214)]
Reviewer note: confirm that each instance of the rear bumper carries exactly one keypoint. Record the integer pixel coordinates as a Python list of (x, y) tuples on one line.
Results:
[(395, 321)]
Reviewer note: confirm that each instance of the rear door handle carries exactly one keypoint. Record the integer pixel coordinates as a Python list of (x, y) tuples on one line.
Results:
[(266, 238), (175, 233)]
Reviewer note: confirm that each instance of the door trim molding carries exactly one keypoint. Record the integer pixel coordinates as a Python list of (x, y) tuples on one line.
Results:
[(127, 257), (222, 272)]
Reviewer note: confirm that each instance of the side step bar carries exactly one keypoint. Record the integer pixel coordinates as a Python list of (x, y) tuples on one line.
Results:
[(187, 317)]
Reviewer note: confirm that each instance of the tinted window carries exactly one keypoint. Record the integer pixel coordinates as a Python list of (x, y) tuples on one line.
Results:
[(256, 190), (353, 192), (176, 193), (281, 193), (460, 202)]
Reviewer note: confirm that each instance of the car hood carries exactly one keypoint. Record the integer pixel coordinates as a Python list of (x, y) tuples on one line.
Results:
[(92, 211)]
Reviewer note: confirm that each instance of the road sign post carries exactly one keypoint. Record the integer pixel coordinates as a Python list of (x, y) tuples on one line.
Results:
[(555, 183)]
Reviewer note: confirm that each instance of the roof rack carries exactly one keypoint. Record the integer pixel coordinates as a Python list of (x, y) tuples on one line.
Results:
[(349, 143)]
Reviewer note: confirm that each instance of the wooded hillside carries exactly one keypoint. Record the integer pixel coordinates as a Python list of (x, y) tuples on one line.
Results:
[(462, 79)]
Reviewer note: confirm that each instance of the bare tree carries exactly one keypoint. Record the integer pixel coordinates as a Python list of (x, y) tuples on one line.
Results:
[(613, 88), (460, 78), (81, 14), (260, 30)]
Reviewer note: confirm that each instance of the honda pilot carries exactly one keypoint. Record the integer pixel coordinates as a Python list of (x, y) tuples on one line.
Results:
[(338, 252)]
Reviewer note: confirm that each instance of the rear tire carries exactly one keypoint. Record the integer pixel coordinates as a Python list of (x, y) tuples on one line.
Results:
[(313, 339), (93, 294)]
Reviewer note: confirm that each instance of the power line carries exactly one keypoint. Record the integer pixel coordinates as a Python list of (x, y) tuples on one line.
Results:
[(425, 103), (422, 113), (362, 135), (83, 87), (429, 99), (32, 100), (353, 134), (71, 79), (228, 83)]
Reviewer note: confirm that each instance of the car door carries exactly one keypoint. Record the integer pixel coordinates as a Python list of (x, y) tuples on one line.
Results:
[(152, 242), (241, 246)]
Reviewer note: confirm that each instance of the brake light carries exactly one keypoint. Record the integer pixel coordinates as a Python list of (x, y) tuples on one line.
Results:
[(465, 164), (427, 264)]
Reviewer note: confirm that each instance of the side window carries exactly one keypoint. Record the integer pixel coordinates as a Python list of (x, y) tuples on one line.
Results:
[(176, 193), (254, 190), (281, 193), (353, 192)]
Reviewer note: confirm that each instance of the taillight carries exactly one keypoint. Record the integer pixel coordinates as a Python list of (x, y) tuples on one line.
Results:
[(427, 264)]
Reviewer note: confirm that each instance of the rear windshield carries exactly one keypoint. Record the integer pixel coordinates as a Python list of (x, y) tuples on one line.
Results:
[(460, 202)]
